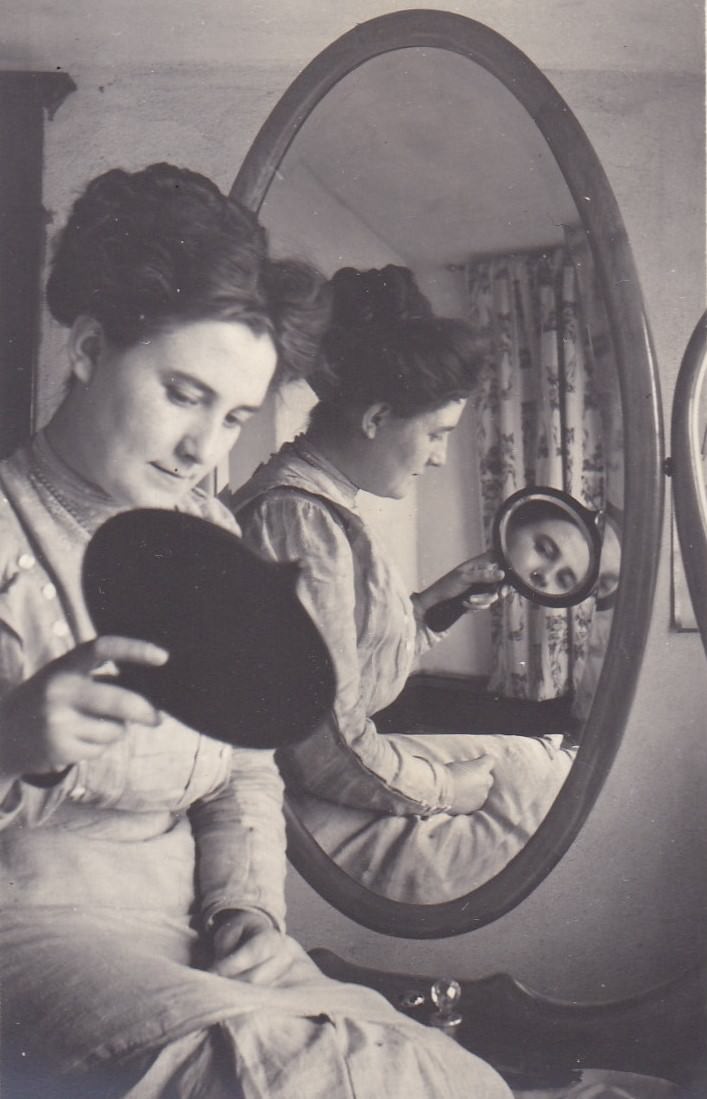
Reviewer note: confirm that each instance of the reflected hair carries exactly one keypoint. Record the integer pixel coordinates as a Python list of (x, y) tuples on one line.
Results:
[(531, 512), (144, 252), (385, 344)]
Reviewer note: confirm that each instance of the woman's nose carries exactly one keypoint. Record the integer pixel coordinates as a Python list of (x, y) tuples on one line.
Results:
[(438, 454), (200, 443)]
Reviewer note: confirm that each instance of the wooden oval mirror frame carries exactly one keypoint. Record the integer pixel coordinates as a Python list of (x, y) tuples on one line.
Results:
[(689, 489), (643, 483)]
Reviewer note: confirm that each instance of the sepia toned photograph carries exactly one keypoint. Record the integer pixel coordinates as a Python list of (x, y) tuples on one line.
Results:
[(353, 550)]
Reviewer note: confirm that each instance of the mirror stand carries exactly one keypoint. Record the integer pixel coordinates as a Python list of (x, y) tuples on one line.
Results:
[(534, 1041)]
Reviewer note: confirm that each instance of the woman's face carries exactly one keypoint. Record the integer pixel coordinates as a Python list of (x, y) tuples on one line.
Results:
[(404, 446), (157, 417), (550, 555)]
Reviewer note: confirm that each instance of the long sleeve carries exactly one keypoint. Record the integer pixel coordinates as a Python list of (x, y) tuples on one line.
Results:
[(372, 640), (240, 840), (18, 797), (425, 638)]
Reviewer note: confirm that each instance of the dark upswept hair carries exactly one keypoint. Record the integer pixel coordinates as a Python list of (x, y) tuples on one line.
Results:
[(536, 511), (384, 343), (145, 251)]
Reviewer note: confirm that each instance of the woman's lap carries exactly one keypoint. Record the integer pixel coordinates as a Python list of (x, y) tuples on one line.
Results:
[(426, 860), (83, 991)]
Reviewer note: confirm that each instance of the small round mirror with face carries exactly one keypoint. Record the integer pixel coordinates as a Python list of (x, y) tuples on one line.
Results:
[(549, 546), (553, 551)]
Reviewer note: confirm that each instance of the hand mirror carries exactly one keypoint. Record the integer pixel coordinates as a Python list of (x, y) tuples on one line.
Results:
[(549, 546), (247, 665)]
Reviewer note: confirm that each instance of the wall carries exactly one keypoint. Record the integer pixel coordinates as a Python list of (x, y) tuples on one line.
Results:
[(626, 905)]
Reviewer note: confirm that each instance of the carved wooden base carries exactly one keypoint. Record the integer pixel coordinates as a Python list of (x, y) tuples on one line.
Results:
[(536, 1041)]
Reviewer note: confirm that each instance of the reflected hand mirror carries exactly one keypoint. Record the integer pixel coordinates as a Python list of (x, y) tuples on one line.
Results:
[(549, 547), (424, 139)]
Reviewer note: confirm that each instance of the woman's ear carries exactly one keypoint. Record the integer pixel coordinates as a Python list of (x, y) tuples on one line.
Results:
[(374, 418), (86, 345)]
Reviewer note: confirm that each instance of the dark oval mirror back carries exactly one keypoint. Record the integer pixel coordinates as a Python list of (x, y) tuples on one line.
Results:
[(247, 665)]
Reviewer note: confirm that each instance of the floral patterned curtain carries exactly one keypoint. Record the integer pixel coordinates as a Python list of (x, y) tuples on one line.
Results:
[(538, 424)]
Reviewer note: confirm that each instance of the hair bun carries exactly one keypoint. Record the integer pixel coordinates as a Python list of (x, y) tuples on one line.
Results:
[(376, 298)]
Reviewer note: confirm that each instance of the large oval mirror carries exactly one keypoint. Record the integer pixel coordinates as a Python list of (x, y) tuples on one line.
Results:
[(424, 140)]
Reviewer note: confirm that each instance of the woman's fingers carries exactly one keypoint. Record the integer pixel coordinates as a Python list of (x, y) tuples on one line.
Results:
[(264, 965), (71, 684), (250, 956), (111, 702), (63, 713), (483, 568), (129, 649), (472, 780)]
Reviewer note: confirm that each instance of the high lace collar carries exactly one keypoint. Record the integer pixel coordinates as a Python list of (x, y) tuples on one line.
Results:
[(84, 502)]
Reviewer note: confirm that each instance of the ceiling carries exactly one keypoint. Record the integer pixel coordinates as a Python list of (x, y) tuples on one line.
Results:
[(618, 35), (433, 155)]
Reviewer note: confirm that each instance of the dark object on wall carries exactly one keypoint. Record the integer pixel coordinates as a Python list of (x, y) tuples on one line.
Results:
[(24, 97), (247, 665)]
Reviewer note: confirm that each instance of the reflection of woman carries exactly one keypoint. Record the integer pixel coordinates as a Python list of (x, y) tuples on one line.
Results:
[(393, 387), (142, 939)]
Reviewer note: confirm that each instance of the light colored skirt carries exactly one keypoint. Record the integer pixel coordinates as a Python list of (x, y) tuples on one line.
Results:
[(86, 990), (96, 995)]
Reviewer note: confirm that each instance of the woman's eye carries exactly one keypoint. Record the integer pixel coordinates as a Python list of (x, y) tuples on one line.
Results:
[(234, 419), (180, 396), (541, 547), (546, 548)]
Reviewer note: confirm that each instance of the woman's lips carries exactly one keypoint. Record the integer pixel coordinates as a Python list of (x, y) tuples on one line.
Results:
[(174, 474)]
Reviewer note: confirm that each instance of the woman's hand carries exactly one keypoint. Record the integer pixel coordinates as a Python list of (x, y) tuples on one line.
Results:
[(481, 569), (472, 779), (63, 714), (247, 946)]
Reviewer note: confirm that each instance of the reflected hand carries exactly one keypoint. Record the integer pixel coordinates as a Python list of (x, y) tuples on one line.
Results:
[(472, 780), (62, 714), (248, 947), (483, 602), (481, 569)]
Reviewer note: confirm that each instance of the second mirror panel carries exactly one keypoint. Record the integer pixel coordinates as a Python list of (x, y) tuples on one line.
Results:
[(422, 159)]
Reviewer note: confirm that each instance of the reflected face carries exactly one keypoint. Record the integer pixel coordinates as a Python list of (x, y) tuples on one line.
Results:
[(550, 555), (159, 416), (403, 448)]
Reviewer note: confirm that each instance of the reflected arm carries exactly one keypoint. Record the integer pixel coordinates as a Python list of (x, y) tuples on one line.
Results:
[(346, 761)]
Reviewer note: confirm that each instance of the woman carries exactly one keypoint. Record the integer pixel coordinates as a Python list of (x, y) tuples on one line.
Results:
[(423, 818), (142, 941)]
